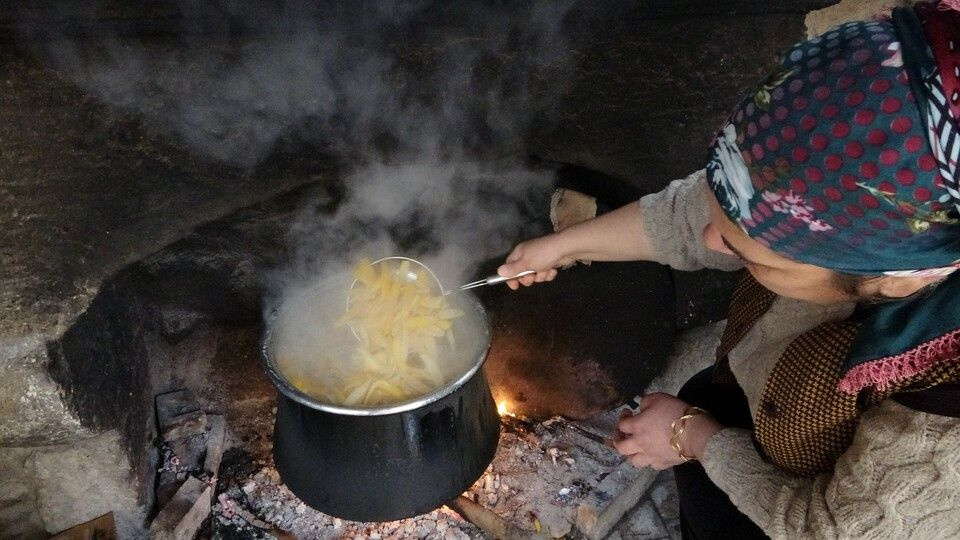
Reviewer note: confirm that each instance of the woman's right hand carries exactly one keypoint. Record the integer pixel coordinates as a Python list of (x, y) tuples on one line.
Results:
[(544, 255)]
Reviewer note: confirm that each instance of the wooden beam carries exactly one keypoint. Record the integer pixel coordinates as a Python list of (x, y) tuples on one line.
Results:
[(490, 522), (101, 528), (606, 505), (181, 518)]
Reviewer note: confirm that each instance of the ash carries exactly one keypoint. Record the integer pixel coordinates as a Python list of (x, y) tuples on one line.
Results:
[(541, 473), (264, 508)]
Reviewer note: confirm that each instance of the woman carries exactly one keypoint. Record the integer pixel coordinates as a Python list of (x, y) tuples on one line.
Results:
[(832, 410)]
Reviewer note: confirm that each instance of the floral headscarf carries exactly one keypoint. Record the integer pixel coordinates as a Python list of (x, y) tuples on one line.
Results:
[(833, 162)]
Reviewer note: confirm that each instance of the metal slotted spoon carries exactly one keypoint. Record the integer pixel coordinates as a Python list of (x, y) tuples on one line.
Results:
[(412, 270), (414, 274)]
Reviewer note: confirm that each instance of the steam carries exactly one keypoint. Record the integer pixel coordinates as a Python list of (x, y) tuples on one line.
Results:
[(425, 103), (448, 215), (414, 79)]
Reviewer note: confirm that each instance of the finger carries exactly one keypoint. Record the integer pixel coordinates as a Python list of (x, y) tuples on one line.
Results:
[(639, 460), (647, 401), (618, 435), (506, 269), (628, 445), (551, 274), (516, 254), (511, 265), (628, 422), (527, 280), (618, 443)]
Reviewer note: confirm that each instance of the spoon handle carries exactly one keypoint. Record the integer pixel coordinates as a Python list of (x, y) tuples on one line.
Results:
[(493, 280)]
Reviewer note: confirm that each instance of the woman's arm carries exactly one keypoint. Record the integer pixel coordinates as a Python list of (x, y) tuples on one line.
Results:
[(666, 227), (899, 479)]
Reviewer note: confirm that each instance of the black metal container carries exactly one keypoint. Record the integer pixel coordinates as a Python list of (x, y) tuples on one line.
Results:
[(389, 462)]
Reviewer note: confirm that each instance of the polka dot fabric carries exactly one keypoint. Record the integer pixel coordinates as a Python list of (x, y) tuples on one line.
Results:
[(828, 162)]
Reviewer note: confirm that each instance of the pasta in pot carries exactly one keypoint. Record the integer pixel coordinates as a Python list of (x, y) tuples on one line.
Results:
[(403, 327)]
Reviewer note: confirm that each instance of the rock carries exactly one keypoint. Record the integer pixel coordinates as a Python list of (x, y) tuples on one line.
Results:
[(175, 323), (38, 413), (87, 210), (76, 483), (19, 516)]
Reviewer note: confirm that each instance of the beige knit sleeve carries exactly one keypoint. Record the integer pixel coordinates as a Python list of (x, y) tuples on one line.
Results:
[(674, 220), (899, 479)]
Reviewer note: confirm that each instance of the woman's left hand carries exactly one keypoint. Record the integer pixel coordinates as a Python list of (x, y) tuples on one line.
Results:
[(644, 437)]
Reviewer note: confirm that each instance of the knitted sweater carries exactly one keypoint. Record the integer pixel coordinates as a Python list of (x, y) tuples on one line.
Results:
[(900, 478)]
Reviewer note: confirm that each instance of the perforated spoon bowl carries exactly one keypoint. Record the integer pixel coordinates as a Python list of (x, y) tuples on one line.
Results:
[(422, 271), (412, 271)]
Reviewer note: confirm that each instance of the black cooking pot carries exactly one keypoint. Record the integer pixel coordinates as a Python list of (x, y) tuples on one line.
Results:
[(388, 462)]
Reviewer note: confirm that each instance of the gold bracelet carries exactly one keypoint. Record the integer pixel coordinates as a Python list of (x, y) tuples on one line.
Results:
[(677, 428)]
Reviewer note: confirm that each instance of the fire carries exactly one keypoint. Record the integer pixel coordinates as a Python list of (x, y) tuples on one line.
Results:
[(502, 408)]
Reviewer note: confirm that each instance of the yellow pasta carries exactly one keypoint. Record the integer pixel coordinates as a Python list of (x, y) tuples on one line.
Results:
[(399, 323)]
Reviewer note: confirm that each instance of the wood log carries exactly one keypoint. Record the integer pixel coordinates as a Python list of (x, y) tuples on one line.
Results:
[(490, 522), (620, 491), (101, 528), (184, 425), (181, 518), (172, 404), (216, 435)]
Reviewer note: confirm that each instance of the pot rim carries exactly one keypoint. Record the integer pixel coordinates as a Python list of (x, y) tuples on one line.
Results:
[(290, 391)]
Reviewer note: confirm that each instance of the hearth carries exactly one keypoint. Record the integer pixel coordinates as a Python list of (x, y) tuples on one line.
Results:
[(171, 169)]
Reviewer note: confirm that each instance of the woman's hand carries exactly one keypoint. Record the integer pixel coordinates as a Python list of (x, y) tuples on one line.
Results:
[(615, 236), (544, 254), (644, 437)]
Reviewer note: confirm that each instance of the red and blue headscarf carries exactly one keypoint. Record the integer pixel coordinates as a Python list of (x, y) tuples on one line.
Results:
[(835, 162)]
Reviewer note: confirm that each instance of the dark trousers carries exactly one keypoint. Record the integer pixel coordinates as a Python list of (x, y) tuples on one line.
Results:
[(705, 511)]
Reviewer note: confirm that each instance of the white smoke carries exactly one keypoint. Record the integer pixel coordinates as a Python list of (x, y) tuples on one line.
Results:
[(425, 79), (424, 104)]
